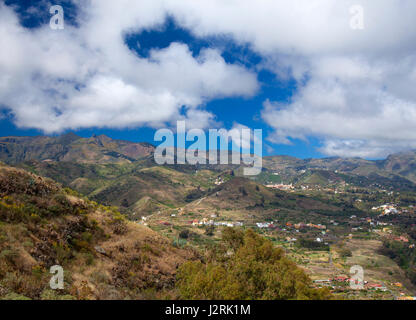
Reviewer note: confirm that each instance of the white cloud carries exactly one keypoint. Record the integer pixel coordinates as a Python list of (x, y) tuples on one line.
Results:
[(355, 88), (300, 26), (359, 110), (364, 148), (241, 136), (84, 77)]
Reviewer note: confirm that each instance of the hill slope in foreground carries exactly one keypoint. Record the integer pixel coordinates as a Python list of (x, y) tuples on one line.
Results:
[(103, 255)]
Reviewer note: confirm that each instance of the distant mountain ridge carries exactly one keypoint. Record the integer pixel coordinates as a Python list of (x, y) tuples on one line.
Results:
[(399, 169), (71, 147), (394, 166)]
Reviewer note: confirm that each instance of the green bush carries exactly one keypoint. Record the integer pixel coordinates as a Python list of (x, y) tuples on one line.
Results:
[(344, 253), (256, 270), (15, 296)]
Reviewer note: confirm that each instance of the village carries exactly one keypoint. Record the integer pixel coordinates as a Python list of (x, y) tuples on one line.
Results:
[(310, 237)]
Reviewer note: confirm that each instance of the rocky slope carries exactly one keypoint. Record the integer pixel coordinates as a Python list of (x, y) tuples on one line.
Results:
[(103, 255), (70, 147)]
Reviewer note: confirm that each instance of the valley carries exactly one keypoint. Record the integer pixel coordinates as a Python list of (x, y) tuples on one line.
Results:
[(327, 215)]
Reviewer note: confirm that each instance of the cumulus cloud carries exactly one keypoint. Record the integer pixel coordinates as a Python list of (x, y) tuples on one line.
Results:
[(355, 88), (355, 106), (86, 76), (240, 139)]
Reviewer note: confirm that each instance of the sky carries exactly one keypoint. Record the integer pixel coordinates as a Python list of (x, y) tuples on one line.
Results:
[(321, 78)]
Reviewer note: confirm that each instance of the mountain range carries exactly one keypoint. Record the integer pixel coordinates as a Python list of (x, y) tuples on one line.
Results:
[(70, 147), (124, 174), (175, 201)]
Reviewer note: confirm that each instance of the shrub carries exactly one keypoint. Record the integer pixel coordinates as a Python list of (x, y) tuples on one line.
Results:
[(15, 296), (49, 294), (312, 245), (344, 253), (120, 228), (256, 270)]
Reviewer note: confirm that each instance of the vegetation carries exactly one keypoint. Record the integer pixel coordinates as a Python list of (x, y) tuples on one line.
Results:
[(404, 256), (253, 270), (312, 244), (104, 256), (345, 253)]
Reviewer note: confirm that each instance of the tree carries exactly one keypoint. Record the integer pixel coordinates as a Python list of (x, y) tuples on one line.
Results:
[(255, 270), (233, 238)]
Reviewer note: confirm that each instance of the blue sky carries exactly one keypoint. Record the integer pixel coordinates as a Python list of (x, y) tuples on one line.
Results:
[(161, 37), (302, 72)]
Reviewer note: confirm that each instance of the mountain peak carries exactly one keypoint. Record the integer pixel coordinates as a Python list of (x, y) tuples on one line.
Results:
[(69, 137), (71, 147)]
